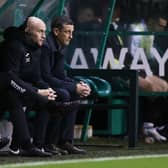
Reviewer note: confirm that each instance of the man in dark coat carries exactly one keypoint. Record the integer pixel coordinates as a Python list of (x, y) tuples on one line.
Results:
[(52, 63), (24, 86)]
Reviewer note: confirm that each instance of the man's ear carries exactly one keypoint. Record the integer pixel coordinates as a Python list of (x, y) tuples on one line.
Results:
[(26, 30), (55, 31)]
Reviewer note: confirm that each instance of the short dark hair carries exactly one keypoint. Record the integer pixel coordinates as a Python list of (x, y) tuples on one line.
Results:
[(59, 21)]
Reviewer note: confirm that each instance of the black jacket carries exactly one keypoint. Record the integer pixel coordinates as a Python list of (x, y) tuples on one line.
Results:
[(52, 64), (21, 64)]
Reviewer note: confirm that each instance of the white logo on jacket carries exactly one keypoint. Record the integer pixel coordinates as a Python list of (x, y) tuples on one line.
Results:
[(27, 58)]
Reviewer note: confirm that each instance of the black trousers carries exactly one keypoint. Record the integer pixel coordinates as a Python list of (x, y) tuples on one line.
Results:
[(61, 128), (21, 133)]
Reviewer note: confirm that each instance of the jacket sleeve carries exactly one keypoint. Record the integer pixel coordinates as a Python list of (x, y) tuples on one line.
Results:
[(25, 89), (40, 83), (53, 81)]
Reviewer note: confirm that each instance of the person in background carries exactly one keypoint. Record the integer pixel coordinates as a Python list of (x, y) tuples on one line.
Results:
[(151, 83), (52, 63)]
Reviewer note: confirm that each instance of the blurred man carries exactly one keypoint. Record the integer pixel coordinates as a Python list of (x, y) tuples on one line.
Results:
[(151, 83)]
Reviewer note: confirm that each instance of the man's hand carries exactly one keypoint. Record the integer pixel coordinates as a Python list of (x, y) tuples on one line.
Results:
[(49, 93), (83, 89)]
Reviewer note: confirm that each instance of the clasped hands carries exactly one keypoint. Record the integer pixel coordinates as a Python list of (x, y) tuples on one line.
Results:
[(83, 89), (49, 93)]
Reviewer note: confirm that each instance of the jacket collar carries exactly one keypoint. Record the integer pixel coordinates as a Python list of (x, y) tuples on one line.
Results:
[(53, 42)]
